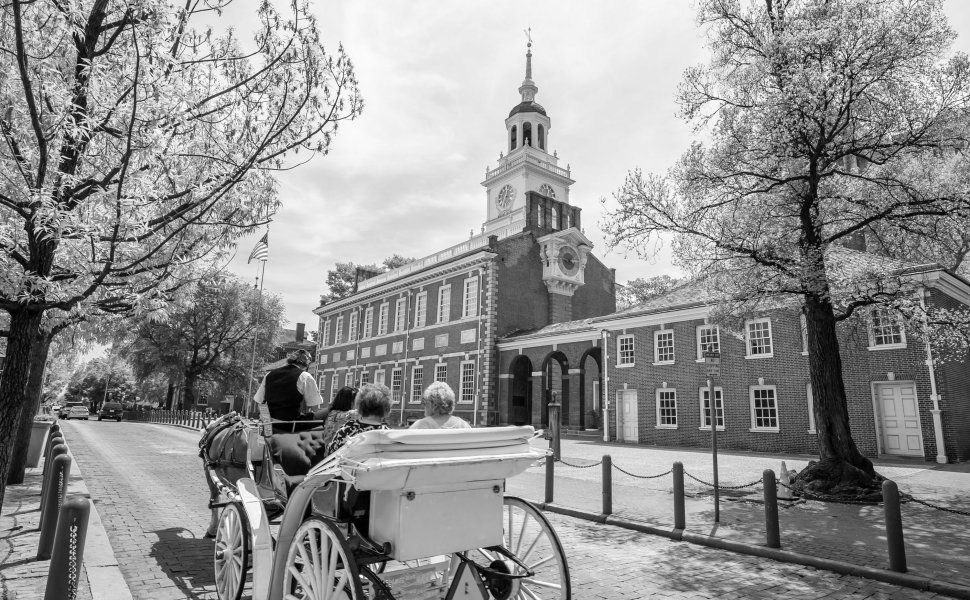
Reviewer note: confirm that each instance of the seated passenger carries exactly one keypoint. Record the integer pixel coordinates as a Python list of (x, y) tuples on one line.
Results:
[(341, 411), (439, 402), (373, 405)]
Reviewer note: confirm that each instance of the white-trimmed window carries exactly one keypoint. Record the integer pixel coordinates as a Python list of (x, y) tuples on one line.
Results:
[(364, 377), (467, 385), (444, 303), (803, 328), (352, 335), (667, 408), (368, 322), (625, 355), (379, 376), (421, 309), (811, 407), (338, 335), (885, 330), (663, 347), (708, 340), (382, 319), (325, 340), (396, 384), (441, 372), (417, 383), (705, 398), (758, 338), (470, 298), (349, 378), (764, 408), (400, 314), (334, 385)]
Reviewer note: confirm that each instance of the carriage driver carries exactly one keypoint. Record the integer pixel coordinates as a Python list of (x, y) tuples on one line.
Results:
[(286, 390)]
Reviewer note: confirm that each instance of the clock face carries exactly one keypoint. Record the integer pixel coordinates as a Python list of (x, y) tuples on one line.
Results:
[(568, 260), (505, 197)]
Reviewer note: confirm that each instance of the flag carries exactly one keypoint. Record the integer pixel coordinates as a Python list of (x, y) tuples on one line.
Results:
[(260, 250)]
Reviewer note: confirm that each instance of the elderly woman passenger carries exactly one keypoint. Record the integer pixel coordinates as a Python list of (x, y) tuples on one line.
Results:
[(373, 405), (439, 402)]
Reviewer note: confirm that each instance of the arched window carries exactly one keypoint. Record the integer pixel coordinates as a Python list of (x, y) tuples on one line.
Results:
[(539, 213), (527, 134), (546, 190), (512, 139), (555, 219), (542, 137)]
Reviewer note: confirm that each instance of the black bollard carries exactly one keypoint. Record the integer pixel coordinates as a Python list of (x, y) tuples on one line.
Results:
[(607, 484), (550, 474), (57, 450), (894, 526), (52, 440), (65, 568), (60, 471), (680, 518), (772, 534)]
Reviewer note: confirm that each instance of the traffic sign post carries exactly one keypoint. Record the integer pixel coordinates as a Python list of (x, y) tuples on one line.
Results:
[(712, 362)]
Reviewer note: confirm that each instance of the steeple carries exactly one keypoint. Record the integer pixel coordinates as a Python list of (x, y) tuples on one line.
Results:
[(528, 88)]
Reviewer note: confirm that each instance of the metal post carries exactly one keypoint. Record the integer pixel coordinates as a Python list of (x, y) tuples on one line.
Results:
[(717, 491), (550, 475), (607, 484), (52, 504), (772, 534), (894, 526), (59, 449), (65, 568), (554, 425), (680, 519), (52, 440)]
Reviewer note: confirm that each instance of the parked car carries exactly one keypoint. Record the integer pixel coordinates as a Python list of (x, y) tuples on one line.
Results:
[(110, 410), (64, 408), (78, 411)]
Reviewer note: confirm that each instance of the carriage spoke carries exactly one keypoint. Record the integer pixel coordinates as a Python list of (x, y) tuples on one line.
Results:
[(541, 562), (528, 594), (525, 523), (542, 584)]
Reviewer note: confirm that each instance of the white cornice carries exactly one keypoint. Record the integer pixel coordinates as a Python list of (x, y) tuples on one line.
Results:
[(948, 283), (549, 338)]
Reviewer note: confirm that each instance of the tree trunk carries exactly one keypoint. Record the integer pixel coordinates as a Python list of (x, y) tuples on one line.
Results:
[(170, 396), (841, 469), (188, 391), (24, 327), (35, 388)]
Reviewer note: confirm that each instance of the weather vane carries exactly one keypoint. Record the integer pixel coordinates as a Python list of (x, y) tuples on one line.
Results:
[(528, 35)]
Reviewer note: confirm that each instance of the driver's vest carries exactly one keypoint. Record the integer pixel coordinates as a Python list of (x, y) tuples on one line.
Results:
[(282, 398)]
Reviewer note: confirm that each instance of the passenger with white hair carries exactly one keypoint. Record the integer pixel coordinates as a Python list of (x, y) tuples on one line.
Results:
[(439, 402)]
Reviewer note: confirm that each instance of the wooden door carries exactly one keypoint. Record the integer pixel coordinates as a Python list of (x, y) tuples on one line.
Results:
[(626, 414), (899, 414)]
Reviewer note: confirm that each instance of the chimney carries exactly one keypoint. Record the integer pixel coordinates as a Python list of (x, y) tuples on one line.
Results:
[(300, 331)]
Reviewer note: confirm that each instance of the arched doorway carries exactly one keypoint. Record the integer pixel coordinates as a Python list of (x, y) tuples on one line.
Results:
[(590, 388), (520, 404), (555, 378)]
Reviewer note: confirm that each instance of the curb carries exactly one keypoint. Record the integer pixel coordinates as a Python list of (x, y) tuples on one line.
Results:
[(901, 579), (105, 579)]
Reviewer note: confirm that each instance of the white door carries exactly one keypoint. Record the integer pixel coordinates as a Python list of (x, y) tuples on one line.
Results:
[(626, 415), (900, 419)]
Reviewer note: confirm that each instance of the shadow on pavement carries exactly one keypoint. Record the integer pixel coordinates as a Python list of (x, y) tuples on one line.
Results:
[(185, 559)]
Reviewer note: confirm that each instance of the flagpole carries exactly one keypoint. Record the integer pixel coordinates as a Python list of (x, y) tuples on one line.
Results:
[(252, 366)]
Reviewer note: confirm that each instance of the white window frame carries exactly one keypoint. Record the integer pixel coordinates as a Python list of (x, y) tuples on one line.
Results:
[(660, 392), (893, 323), (656, 347), (382, 318), (441, 368), (364, 377), (444, 303), (417, 383), (466, 385), (338, 334), (397, 383), (718, 409), (349, 379), (803, 329), (352, 328), (810, 396), (380, 376), (368, 322), (400, 314), (700, 344), (326, 334), (421, 309), (747, 338), (335, 384), (751, 399), (469, 298), (626, 357)]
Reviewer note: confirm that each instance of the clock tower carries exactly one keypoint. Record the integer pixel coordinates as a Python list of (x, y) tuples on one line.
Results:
[(525, 165)]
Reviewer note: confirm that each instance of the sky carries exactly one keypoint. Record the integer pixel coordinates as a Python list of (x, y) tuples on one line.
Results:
[(438, 80)]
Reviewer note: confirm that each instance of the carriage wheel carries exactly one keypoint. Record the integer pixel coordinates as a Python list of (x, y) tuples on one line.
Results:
[(231, 553), (530, 537), (320, 565)]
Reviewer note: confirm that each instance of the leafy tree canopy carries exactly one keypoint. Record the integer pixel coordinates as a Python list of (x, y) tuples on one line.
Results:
[(343, 278)]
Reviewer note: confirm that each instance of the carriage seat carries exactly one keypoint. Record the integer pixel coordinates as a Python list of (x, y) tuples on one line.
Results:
[(296, 453)]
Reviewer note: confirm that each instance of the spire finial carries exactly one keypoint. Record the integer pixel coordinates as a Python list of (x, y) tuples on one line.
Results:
[(528, 54)]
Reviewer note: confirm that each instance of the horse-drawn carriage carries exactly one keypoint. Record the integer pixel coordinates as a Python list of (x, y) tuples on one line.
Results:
[(410, 514)]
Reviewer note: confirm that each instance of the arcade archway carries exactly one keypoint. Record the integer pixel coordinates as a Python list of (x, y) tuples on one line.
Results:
[(520, 403)]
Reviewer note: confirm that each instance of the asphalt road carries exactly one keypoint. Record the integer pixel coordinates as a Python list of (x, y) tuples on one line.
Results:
[(147, 483)]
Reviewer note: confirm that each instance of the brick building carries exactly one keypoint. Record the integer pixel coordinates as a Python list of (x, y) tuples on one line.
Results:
[(439, 317), (901, 401)]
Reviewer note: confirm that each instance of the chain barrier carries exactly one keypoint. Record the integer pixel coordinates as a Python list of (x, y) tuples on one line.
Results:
[(72, 562), (625, 472), (726, 487), (595, 464), (909, 498)]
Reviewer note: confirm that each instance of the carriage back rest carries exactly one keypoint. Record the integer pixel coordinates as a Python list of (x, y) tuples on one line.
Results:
[(297, 452)]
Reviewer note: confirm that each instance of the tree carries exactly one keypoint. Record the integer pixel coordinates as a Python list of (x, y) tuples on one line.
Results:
[(208, 337), (821, 118), (135, 144), (100, 379), (342, 280), (637, 291)]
